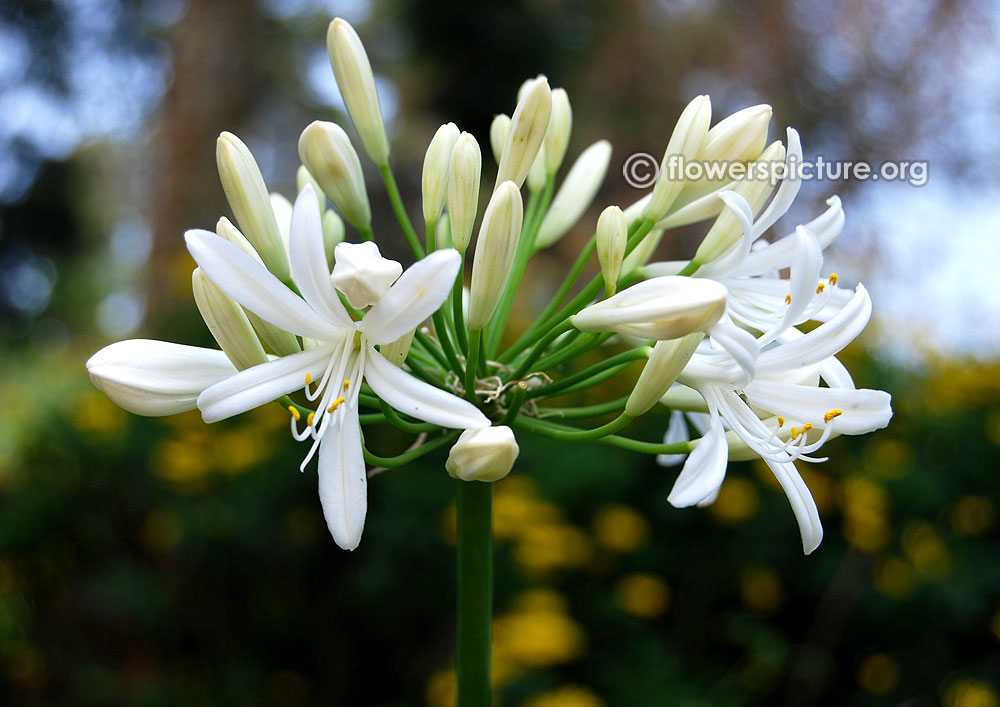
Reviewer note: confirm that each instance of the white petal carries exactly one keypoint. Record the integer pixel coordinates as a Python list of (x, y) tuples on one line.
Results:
[(789, 186), (677, 432), (778, 255), (740, 344), (835, 373), (421, 400), (343, 481), (704, 469), (803, 505), (862, 410), (156, 378), (803, 276), (307, 256), (262, 384), (250, 284), (416, 295), (738, 252)]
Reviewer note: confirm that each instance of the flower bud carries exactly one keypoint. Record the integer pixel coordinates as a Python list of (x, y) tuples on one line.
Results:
[(575, 194), (333, 234), (560, 126), (442, 232), (755, 188), (486, 454), (666, 361), (465, 173), (642, 253), (357, 86), (362, 274), (662, 308), (434, 181), (282, 209), (685, 143), (248, 198), (227, 322), (398, 350), (527, 130), (612, 235), (498, 135), (327, 153), (276, 340), (303, 177), (536, 175), (499, 235), (741, 137)]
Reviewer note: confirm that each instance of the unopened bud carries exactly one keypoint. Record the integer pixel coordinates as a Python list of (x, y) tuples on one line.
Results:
[(357, 86), (282, 209), (434, 180), (327, 153), (527, 130), (362, 274), (303, 177), (560, 126), (498, 135), (333, 234), (486, 454), (612, 236), (575, 194), (685, 143), (498, 238), (463, 189), (740, 137), (248, 198), (662, 308), (398, 350), (536, 175), (666, 361), (227, 322)]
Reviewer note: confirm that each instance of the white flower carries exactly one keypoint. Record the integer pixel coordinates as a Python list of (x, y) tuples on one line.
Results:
[(486, 454), (362, 274), (344, 355)]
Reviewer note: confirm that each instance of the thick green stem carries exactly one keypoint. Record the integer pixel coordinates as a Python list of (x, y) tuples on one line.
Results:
[(457, 305), (475, 592), (471, 362)]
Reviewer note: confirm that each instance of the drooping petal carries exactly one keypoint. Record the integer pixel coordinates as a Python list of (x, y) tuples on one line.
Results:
[(156, 378), (803, 276), (738, 252), (778, 255), (262, 384), (677, 432), (343, 481), (417, 294), (307, 256), (835, 373), (789, 186), (739, 344), (250, 284), (801, 500), (421, 400), (704, 469), (861, 411)]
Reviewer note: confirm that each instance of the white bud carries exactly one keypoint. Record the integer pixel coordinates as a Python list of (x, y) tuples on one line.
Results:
[(282, 209), (536, 175), (740, 137), (666, 361), (303, 177), (495, 250), (248, 198), (662, 308), (398, 350), (434, 180), (755, 188), (575, 193), (684, 145), (612, 236), (527, 130), (227, 322), (463, 189), (498, 135), (486, 454), (333, 233), (327, 153), (442, 233), (560, 127), (357, 86), (362, 274)]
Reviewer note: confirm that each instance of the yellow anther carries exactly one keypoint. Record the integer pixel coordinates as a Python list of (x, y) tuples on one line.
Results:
[(820, 287), (833, 278), (781, 421), (309, 419), (806, 427), (347, 384), (309, 378), (795, 433), (295, 412), (788, 298), (832, 414), (336, 404)]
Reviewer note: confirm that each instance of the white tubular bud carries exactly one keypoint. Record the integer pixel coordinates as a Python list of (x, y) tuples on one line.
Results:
[(486, 454), (277, 341), (434, 180), (282, 209), (498, 238), (302, 177), (248, 198), (643, 252), (442, 232), (741, 137), (227, 322), (536, 175), (527, 130), (362, 274), (612, 235), (560, 126), (666, 361), (327, 153), (333, 233), (662, 308), (357, 86), (755, 188), (685, 144), (575, 193), (398, 350), (498, 135), (463, 189)]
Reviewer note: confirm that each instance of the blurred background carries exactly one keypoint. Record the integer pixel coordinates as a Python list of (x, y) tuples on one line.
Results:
[(163, 562)]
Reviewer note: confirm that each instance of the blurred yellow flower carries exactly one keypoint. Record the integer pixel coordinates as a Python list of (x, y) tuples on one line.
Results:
[(926, 550), (865, 507), (551, 545), (971, 693), (643, 595), (761, 590), (894, 578), (620, 528), (973, 515), (568, 696), (537, 632), (737, 501)]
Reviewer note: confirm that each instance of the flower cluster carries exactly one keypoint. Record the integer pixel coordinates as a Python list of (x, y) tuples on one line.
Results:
[(298, 310)]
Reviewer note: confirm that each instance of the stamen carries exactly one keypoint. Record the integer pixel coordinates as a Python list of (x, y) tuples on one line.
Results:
[(347, 384), (309, 378), (295, 412), (788, 298), (310, 418), (336, 404), (833, 278), (795, 433), (832, 414), (781, 421), (819, 288), (806, 427)]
